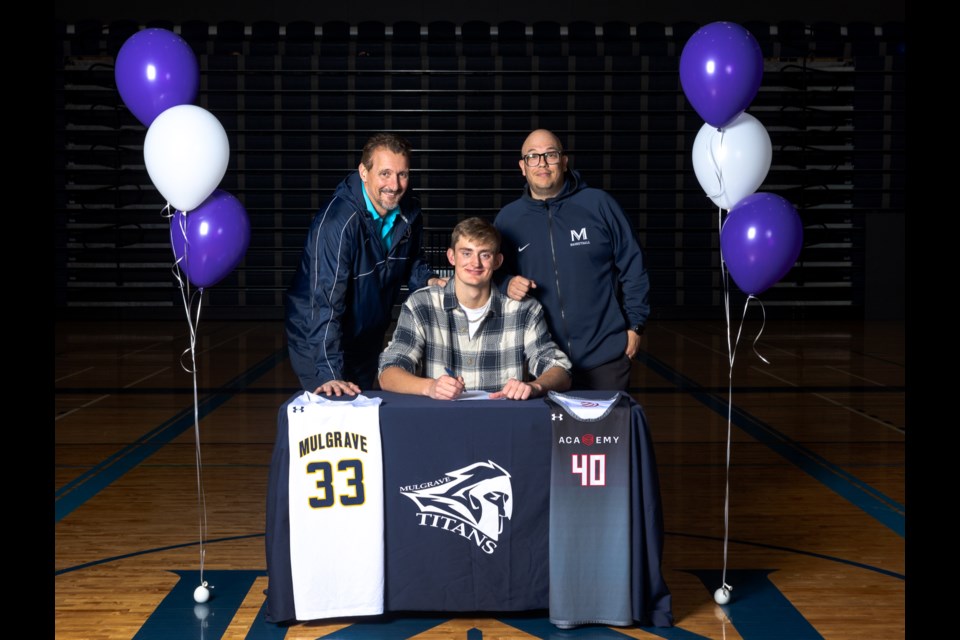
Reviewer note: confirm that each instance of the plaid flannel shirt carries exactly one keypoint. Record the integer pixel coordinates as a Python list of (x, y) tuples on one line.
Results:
[(511, 341)]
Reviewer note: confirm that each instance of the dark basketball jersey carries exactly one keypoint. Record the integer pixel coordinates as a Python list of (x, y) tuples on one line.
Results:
[(590, 561)]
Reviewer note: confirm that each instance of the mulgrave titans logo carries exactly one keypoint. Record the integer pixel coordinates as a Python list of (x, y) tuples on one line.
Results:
[(472, 502)]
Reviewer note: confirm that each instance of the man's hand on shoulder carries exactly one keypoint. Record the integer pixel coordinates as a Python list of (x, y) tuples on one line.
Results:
[(337, 388), (437, 282), (519, 287)]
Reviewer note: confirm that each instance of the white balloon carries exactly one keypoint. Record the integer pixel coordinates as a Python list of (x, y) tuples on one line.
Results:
[(732, 163), (186, 152)]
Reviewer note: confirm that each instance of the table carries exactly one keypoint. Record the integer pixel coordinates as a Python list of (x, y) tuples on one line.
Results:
[(435, 563)]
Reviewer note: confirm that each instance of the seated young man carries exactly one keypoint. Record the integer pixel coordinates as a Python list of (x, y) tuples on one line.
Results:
[(468, 335)]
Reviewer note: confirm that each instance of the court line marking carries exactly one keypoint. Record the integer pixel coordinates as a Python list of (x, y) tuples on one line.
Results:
[(775, 547), (146, 377), (78, 491), (873, 502), (75, 373), (228, 339), (766, 346), (83, 406), (127, 386), (184, 336), (853, 410), (853, 375), (143, 552), (84, 487)]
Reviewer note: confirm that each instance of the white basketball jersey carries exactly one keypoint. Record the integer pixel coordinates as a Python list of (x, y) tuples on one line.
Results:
[(336, 506)]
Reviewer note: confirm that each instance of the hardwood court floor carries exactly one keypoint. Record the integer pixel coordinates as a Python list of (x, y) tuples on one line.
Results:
[(817, 477)]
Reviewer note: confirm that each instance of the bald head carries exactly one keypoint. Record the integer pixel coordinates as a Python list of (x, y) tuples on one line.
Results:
[(545, 180), (540, 138)]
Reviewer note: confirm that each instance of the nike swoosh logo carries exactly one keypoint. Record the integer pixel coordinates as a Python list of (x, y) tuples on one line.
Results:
[(523, 247)]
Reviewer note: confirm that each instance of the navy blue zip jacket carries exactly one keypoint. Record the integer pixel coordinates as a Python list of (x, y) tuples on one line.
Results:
[(580, 250), (341, 300)]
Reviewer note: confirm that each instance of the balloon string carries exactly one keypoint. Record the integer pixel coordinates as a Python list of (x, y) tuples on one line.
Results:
[(188, 298), (193, 321), (731, 351), (743, 317), (718, 172), (764, 323), (726, 287), (201, 494)]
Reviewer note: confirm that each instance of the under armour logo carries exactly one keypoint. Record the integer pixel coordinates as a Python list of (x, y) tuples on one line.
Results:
[(300, 409), (556, 416)]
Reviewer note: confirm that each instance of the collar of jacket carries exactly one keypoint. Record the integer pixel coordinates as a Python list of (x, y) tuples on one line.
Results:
[(353, 190), (572, 183)]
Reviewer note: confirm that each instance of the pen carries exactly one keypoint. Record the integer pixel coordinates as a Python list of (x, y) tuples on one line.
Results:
[(450, 373)]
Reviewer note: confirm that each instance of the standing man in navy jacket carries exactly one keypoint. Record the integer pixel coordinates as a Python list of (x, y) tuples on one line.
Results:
[(363, 244), (571, 247)]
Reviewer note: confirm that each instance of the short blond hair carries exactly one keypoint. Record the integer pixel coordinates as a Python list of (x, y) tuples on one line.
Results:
[(476, 229)]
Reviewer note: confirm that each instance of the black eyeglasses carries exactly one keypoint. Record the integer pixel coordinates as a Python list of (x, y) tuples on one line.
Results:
[(533, 159)]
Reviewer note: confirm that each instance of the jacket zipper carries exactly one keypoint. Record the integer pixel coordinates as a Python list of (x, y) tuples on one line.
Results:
[(556, 276)]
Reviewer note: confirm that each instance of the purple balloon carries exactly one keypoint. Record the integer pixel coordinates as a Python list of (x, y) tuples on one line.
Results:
[(760, 241), (211, 240), (156, 69), (720, 71)]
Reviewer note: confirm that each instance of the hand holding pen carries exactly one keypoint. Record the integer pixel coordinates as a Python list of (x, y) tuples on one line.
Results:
[(447, 387)]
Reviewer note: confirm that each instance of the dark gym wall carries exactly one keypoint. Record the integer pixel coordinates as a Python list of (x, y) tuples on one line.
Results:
[(492, 11), (883, 285)]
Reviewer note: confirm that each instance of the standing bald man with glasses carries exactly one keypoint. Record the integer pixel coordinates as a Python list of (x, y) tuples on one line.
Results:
[(571, 247)]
